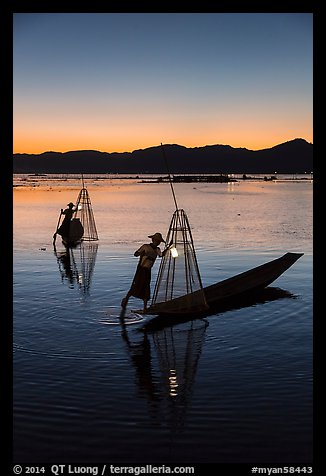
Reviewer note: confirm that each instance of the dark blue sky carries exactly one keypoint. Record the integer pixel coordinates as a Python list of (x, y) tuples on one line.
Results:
[(119, 81)]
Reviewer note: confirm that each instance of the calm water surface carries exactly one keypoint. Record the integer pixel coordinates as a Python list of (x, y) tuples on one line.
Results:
[(233, 387)]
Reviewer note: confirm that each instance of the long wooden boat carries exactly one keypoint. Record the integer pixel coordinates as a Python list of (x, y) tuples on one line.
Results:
[(229, 290), (260, 296)]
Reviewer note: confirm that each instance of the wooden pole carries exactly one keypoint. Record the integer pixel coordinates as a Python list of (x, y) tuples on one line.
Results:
[(55, 234), (167, 167)]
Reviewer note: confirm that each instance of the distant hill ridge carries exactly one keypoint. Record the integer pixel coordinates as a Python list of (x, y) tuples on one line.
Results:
[(295, 156)]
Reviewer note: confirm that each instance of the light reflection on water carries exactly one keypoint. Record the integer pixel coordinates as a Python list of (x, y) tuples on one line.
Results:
[(233, 388)]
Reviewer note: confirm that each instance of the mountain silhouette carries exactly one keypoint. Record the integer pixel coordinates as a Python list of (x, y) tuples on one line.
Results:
[(295, 156)]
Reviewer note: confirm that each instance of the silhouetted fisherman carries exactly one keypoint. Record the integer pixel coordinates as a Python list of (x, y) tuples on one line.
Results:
[(64, 228), (140, 287)]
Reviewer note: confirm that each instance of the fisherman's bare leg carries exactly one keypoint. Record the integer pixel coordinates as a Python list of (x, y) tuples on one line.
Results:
[(125, 300)]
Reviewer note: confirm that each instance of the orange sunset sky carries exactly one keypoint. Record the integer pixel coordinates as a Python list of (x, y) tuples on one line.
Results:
[(119, 82)]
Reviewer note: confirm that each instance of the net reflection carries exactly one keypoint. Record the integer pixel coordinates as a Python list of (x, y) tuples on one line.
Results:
[(166, 364), (76, 265)]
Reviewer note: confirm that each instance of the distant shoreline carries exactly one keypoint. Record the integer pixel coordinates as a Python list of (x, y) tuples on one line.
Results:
[(20, 180)]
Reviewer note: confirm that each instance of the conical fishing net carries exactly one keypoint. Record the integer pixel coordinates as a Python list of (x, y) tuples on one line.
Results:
[(85, 213), (178, 277)]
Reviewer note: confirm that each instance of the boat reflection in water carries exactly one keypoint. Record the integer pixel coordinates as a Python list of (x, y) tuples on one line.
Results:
[(166, 363), (166, 359), (76, 265)]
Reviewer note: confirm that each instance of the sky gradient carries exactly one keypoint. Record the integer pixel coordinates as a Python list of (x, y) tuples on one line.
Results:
[(117, 82)]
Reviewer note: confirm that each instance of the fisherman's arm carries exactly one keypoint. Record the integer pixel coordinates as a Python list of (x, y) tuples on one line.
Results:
[(140, 251), (166, 249)]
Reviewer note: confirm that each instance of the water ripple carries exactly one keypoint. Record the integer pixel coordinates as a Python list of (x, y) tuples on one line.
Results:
[(64, 353)]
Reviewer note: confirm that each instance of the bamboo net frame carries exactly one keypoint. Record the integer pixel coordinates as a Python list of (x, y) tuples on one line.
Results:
[(85, 213), (179, 276)]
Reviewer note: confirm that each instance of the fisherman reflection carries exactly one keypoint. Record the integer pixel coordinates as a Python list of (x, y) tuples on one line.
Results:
[(66, 270), (140, 354), (64, 228)]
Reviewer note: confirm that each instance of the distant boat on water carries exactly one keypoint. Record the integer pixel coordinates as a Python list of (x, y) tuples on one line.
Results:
[(82, 226)]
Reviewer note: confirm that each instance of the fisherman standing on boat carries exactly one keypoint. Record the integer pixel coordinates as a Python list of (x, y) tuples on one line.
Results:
[(140, 287), (64, 228)]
